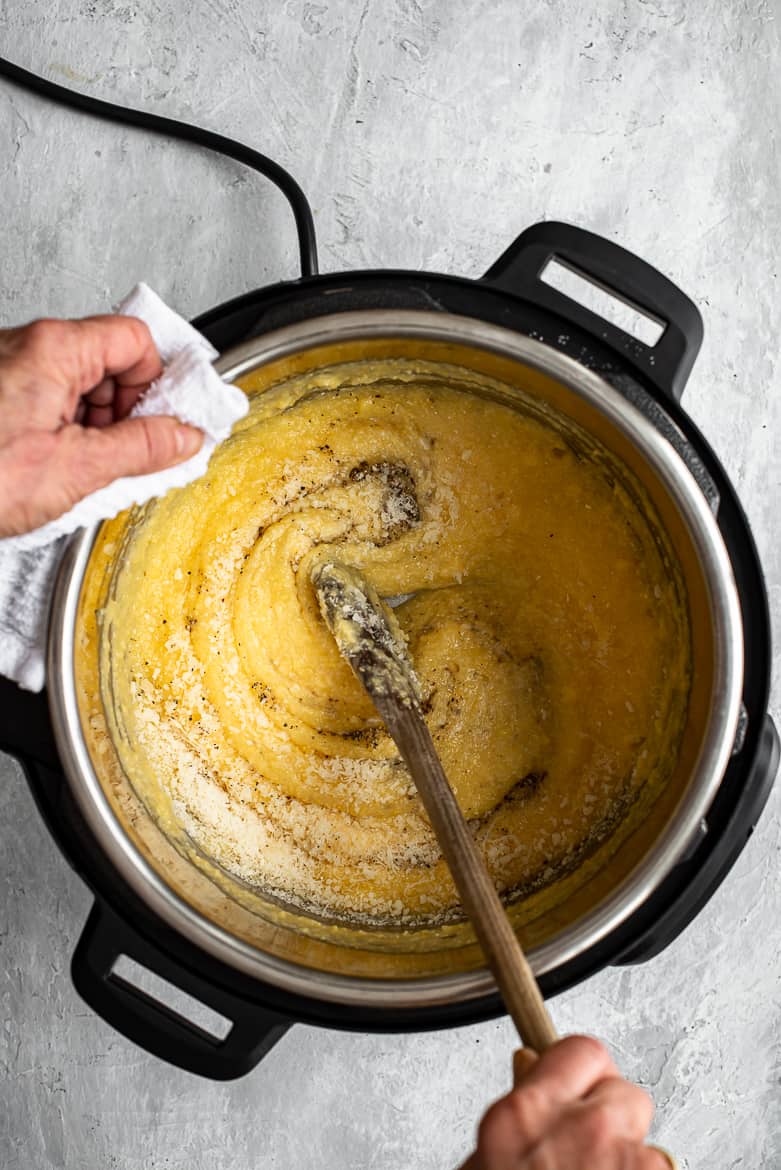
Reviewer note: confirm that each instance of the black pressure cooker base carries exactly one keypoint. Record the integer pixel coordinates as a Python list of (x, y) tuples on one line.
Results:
[(511, 295)]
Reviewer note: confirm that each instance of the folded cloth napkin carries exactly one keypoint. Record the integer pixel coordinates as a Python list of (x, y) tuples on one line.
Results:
[(189, 388)]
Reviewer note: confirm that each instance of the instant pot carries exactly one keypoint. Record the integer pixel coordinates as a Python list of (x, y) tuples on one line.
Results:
[(627, 392)]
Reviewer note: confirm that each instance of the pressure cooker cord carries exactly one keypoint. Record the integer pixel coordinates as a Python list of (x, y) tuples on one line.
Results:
[(171, 127)]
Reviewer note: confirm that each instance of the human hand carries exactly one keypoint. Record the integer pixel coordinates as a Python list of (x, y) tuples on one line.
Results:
[(569, 1110), (66, 388)]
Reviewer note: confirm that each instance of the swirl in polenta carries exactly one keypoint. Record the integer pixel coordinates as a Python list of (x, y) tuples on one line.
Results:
[(539, 603)]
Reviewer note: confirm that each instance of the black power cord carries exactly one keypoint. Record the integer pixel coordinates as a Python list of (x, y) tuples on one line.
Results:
[(299, 204)]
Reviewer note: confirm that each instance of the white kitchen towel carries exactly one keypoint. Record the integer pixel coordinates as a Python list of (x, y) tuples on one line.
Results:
[(189, 388)]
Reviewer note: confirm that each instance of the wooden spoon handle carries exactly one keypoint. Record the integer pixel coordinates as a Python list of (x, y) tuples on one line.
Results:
[(482, 903)]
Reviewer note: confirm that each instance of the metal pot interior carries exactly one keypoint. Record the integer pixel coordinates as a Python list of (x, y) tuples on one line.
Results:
[(348, 963)]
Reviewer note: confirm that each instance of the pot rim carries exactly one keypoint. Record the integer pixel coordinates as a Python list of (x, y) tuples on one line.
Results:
[(633, 890)]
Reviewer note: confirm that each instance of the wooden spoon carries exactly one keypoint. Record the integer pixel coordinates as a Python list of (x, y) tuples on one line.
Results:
[(369, 637)]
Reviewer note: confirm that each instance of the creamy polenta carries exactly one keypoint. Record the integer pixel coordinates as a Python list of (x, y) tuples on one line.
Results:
[(541, 607)]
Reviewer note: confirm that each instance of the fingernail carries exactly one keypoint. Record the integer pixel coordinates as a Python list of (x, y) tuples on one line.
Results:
[(188, 440)]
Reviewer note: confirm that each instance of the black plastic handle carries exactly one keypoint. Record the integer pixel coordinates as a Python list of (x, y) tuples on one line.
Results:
[(25, 726), (156, 1027), (668, 363)]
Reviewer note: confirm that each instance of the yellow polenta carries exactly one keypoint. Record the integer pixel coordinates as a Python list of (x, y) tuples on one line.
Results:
[(542, 612)]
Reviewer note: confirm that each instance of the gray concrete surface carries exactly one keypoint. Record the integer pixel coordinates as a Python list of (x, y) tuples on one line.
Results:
[(427, 133)]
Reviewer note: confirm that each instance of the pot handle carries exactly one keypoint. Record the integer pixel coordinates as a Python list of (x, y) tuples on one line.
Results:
[(152, 1024), (667, 363), (25, 726)]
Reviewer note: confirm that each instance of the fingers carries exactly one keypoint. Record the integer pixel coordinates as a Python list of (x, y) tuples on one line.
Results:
[(132, 447), (569, 1110), (523, 1060), (502, 1121), (103, 394), (47, 366), (551, 1083), (98, 408), (125, 398), (609, 1124), (118, 347), (565, 1073), (129, 359), (571, 1068), (66, 388), (43, 474), (624, 1109), (109, 402), (619, 1155)]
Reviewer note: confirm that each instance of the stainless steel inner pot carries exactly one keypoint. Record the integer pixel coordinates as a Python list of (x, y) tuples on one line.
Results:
[(352, 967)]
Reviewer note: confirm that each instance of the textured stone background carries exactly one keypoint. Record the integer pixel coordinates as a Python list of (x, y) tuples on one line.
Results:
[(427, 133)]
